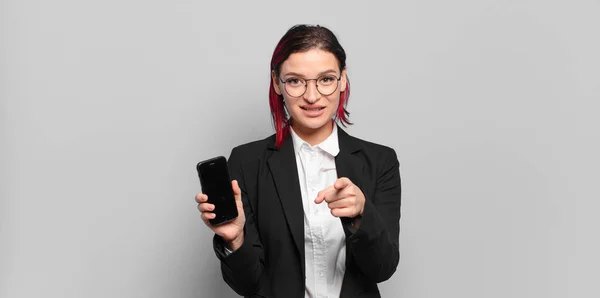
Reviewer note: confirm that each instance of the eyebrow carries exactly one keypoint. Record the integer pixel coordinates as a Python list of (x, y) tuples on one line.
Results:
[(299, 75)]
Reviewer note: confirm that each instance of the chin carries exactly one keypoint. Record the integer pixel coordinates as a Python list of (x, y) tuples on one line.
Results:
[(313, 124)]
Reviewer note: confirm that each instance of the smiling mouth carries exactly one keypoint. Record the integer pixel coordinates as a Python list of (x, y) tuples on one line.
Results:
[(312, 109)]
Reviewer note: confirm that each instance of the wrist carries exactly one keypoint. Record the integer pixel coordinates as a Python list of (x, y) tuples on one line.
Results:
[(356, 221), (236, 243)]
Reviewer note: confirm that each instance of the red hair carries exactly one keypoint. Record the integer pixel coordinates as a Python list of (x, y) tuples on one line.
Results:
[(302, 38)]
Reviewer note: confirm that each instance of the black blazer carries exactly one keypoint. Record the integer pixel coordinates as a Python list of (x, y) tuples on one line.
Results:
[(270, 263)]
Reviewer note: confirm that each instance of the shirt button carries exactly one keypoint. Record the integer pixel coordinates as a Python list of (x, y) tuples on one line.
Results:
[(321, 274)]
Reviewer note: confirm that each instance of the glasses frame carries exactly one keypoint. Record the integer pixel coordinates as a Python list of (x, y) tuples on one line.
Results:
[(316, 84)]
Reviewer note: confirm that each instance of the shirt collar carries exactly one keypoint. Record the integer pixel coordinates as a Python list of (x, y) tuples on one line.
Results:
[(330, 145)]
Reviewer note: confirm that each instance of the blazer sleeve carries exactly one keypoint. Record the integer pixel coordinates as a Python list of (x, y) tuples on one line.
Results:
[(374, 245), (243, 269)]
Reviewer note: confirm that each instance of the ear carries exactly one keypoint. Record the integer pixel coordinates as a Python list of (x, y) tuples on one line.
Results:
[(275, 83), (344, 80)]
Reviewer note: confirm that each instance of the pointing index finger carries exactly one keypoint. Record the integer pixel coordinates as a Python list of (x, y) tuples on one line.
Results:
[(322, 194), (341, 183)]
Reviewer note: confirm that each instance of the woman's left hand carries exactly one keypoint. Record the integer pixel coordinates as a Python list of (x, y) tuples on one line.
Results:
[(343, 198)]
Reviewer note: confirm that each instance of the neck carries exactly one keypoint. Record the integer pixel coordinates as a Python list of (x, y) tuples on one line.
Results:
[(313, 136)]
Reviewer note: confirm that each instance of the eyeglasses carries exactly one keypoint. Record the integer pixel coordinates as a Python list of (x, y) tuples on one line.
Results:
[(296, 87)]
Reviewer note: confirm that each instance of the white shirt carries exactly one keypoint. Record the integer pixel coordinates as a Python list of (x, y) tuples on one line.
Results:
[(324, 238)]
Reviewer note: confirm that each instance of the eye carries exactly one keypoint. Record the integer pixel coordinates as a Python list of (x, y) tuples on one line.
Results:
[(294, 82), (327, 80)]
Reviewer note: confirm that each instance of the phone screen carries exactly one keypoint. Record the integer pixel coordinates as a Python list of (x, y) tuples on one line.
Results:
[(216, 183)]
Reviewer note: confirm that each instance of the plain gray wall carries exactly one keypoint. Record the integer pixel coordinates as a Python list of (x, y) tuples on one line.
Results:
[(492, 107)]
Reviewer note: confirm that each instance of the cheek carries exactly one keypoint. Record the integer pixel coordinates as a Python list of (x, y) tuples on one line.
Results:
[(334, 101), (291, 106), (288, 102)]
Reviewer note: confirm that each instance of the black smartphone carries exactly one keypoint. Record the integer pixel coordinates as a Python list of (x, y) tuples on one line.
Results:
[(216, 183)]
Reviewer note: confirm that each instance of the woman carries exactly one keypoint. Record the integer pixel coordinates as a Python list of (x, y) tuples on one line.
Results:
[(319, 210)]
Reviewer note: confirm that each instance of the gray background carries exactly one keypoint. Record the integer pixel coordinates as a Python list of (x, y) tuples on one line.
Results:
[(107, 105)]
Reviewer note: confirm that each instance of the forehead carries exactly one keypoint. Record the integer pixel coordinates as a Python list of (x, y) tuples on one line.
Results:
[(309, 63)]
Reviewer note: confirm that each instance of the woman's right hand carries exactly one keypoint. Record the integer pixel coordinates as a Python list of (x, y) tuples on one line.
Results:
[(231, 232)]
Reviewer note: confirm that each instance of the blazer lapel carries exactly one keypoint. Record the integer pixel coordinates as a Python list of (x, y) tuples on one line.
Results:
[(282, 164), (346, 163), (350, 166)]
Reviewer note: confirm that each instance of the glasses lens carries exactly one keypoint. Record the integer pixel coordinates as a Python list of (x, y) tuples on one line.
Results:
[(295, 87), (327, 84)]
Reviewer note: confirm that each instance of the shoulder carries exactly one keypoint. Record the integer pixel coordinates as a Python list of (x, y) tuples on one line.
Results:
[(373, 150), (250, 151), (374, 147)]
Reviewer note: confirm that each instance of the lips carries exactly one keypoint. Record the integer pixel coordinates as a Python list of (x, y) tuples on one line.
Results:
[(313, 111), (312, 108)]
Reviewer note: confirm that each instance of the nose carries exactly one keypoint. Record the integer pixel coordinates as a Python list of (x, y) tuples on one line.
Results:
[(312, 94)]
